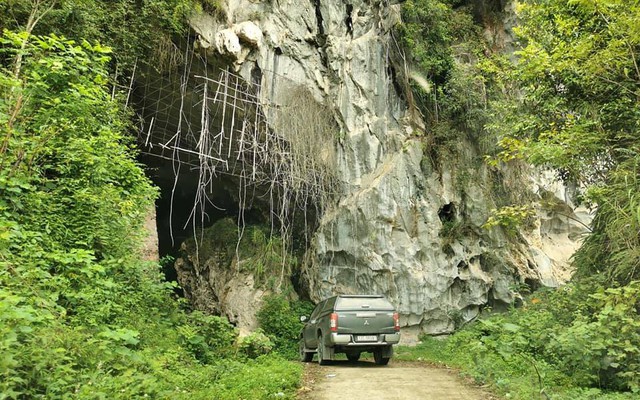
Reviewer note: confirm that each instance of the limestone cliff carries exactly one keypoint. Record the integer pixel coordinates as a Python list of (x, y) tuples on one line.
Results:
[(406, 223)]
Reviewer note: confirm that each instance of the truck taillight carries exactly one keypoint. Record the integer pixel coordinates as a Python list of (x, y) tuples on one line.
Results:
[(396, 322), (334, 322)]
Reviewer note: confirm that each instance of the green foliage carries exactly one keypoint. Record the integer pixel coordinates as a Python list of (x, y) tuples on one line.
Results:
[(575, 342), (266, 377), (207, 337), (268, 258), (444, 46), (510, 218), (80, 315), (254, 248), (576, 109), (426, 32), (613, 247), (578, 114), (603, 348), (280, 319), (255, 344), (72, 204), (136, 30)]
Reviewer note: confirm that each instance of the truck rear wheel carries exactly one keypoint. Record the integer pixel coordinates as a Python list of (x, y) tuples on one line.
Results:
[(379, 358), (321, 351)]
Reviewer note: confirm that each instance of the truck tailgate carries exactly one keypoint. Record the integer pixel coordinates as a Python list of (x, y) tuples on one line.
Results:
[(363, 322)]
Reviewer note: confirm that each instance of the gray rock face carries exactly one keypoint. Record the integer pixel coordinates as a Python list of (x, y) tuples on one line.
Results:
[(403, 227), (221, 288), (150, 243)]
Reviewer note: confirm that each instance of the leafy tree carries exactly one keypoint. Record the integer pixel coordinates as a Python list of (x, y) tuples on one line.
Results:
[(577, 110), (80, 314), (137, 31)]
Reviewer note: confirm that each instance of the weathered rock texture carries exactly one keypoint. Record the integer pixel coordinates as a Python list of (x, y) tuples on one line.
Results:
[(408, 222), (220, 288), (150, 245)]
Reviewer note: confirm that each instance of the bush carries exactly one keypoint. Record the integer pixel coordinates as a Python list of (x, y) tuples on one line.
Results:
[(280, 319), (603, 349), (255, 344), (569, 343), (207, 337)]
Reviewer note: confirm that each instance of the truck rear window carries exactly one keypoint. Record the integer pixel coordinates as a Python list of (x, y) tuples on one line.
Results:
[(359, 303)]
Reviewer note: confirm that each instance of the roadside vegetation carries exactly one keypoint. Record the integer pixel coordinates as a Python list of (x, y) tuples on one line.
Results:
[(567, 100), (578, 342), (81, 315)]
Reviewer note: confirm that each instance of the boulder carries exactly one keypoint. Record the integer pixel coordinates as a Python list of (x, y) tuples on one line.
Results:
[(249, 33)]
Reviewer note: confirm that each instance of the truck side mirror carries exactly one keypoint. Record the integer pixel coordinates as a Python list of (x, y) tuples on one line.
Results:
[(303, 318)]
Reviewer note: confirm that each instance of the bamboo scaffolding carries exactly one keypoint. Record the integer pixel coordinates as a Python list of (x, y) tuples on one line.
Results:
[(221, 129)]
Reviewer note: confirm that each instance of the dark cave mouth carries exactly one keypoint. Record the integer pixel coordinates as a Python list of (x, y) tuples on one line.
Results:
[(178, 217), (175, 212)]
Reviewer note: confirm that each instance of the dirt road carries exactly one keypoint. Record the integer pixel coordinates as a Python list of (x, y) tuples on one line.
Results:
[(397, 381)]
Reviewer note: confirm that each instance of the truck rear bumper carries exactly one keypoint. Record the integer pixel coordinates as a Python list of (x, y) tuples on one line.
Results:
[(383, 339)]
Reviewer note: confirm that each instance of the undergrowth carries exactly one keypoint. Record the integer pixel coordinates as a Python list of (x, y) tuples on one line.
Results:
[(279, 317), (81, 316), (578, 342)]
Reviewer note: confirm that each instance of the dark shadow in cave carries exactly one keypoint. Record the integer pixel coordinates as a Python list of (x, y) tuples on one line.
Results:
[(175, 226), (447, 213)]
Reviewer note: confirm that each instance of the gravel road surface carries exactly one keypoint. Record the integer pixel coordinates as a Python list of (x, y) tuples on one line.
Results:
[(364, 380)]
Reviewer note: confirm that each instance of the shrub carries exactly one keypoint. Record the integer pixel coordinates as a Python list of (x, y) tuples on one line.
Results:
[(255, 344), (207, 337), (576, 342), (603, 349), (280, 319)]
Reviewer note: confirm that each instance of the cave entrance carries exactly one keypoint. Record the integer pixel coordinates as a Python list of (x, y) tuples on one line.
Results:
[(260, 150), (447, 213), (177, 219)]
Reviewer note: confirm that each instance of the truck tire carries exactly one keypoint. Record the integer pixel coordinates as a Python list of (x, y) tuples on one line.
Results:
[(321, 351), (305, 356), (379, 359)]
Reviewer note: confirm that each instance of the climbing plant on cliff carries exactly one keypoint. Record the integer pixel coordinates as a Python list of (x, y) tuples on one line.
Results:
[(442, 45)]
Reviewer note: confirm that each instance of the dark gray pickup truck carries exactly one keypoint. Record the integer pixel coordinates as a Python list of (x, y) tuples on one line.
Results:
[(350, 324)]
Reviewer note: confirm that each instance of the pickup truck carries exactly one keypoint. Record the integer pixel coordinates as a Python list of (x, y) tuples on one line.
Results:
[(350, 324)]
